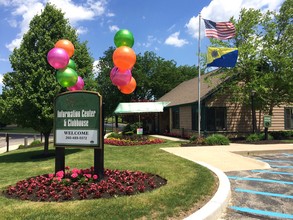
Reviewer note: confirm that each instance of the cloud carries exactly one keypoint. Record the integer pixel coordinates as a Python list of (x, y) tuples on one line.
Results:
[(113, 28), (3, 59), (96, 68), (174, 40), (12, 23), (171, 28), (1, 80), (76, 13), (25, 10), (81, 30), (110, 14), (14, 44), (150, 41), (223, 10)]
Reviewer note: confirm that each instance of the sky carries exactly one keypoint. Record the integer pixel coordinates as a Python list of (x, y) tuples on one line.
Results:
[(170, 28)]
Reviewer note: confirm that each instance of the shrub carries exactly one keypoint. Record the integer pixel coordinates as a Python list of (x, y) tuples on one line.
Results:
[(258, 137), (197, 140), (35, 143), (130, 129), (262, 136), (217, 139), (253, 137), (192, 138), (114, 135), (129, 133), (281, 135)]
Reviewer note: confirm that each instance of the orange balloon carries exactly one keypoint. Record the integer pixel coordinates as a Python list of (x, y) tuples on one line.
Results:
[(124, 58), (129, 88), (66, 45)]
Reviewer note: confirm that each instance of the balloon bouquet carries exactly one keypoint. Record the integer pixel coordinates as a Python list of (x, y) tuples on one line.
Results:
[(59, 58), (124, 59)]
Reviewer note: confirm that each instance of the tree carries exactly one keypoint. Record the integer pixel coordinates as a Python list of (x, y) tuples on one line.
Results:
[(159, 76), (4, 120), (154, 76), (265, 64), (30, 90)]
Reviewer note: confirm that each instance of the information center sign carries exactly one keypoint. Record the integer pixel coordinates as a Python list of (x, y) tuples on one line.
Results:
[(78, 119)]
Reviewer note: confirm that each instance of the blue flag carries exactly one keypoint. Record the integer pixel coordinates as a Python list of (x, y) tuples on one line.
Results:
[(222, 57)]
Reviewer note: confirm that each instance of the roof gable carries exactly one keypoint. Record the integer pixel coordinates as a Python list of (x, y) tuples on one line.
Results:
[(187, 91)]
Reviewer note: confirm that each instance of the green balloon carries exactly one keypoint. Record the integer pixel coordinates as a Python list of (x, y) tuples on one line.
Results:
[(67, 77), (71, 64), (123, 37)]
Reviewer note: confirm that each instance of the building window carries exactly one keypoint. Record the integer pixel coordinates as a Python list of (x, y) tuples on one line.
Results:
[(289, 118), (175, 118), (216, 118), (194, 118)]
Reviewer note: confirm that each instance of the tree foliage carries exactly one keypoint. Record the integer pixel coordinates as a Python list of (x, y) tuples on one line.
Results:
[(154, 76), (264, 41), (30, 90)]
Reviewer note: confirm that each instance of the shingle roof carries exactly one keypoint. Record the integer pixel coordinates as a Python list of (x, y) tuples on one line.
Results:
[(187, 91)]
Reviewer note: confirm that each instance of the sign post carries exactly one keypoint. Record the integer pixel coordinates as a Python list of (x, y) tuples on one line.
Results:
[(267, 121), (79, 123)]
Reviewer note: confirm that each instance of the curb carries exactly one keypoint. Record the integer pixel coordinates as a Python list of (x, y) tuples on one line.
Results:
[(214, 208), (258, 152)]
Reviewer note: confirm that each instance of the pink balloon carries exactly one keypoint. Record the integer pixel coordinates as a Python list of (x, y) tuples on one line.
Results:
[(120, 78), (58, 58), (78, 86)]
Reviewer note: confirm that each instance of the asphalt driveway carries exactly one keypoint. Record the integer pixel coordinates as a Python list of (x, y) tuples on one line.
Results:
[(262, 193)]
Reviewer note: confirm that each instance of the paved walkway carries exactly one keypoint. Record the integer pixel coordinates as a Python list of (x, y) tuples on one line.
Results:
[(14, 144), (227, 157), (230, 158), (220, 159)]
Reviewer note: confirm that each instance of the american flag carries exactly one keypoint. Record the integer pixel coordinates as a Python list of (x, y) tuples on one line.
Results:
[(219, 30)]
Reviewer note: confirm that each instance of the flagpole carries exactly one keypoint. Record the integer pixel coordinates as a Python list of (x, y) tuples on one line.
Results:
[(199, 112)]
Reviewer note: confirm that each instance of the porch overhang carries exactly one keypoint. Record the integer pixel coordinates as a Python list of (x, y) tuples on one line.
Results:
[(140, 107)]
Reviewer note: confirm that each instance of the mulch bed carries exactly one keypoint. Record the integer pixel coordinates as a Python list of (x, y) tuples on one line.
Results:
[(237, 141), (259, 142)]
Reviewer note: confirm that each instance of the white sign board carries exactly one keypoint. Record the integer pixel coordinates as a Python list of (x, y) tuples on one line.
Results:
[(77, 137)]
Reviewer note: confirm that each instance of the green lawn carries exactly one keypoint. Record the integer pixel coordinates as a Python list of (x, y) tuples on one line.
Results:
[(187, 184)]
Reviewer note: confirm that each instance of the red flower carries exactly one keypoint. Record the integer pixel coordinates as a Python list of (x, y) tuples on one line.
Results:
[(74, 175), (87, 175), (60, 174), (75, 170), (95, 177), (65, 186)]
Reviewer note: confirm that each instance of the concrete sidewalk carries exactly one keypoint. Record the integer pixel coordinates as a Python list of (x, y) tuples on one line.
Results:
[(227, 157), (11, 148), (230, 158)]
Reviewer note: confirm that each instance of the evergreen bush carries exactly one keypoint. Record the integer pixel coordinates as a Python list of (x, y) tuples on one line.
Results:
[(258, 137), (217, 139)]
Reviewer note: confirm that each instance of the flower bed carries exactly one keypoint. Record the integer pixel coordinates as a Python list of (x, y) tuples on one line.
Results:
[(129, 142), (78, 184)]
